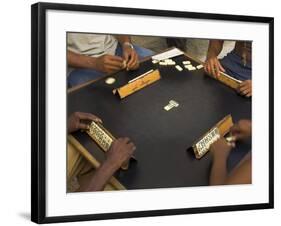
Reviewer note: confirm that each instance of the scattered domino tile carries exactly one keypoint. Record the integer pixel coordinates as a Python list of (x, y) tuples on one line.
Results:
[(199, 66), (171, 62), (165, 62), (171, 105), (168, 107), (174, 103), (189, 67), (186, 62), (110, 80), (179, 68)]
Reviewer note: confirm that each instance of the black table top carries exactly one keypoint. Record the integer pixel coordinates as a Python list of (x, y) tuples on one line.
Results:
[(162, 137)]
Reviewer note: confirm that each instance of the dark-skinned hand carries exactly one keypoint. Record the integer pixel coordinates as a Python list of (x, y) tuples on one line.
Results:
[(120, 151), (80, 120)]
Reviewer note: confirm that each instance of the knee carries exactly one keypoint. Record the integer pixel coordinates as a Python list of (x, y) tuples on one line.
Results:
[(80, 76)]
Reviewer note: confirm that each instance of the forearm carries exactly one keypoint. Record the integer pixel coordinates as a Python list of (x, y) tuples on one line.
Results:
[(101, 177), (80, 61), (215, 47), (218, 174), (123, 38)]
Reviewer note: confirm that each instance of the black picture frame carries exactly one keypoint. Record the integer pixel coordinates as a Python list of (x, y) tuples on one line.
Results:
[(38, 111)]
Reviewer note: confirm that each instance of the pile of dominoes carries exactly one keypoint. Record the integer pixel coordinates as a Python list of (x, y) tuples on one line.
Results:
[(165, 62), (186, 64)]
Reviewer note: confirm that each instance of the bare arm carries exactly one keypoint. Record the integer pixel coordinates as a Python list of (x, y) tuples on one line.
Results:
[(101, 177), (218, 174), (242, 174), (120, 151), (80, 61), (215, 47), (129, 54), (220, 150), (212, 65), (105, 63)]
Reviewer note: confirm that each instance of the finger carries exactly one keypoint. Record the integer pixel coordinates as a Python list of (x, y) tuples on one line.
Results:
[(115, 58), (243, 84), (111, 69), (241, 91), (133, 63), (206, 67), (213, 70), (209, 68), (235, 129), (246, 91), (243, 88), (123, 139), (126, 140), (130, 143), (126, 56), (132, 146), (97, 120), (83, 126), (217, 68), (133, 56), (135, 66), (220, 66), (114, 63), (249, 94), (89, 116)]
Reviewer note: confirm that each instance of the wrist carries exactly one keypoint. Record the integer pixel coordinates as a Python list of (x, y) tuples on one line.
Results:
[(91, 62), (111, 165), (127, 45), (220, 159), (211, 55)]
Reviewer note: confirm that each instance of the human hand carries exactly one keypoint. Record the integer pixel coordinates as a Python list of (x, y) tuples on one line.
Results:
[(120, 151), (108, 63), (213, 66), (221, 149), (242, 129), (245, 88), (78, 120), (131, 58)]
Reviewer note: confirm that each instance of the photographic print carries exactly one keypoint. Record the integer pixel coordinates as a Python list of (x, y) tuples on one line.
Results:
[(166, 103), (172, 116)]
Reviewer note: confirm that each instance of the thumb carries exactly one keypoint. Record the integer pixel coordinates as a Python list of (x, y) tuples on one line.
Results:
[(126, 56)]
